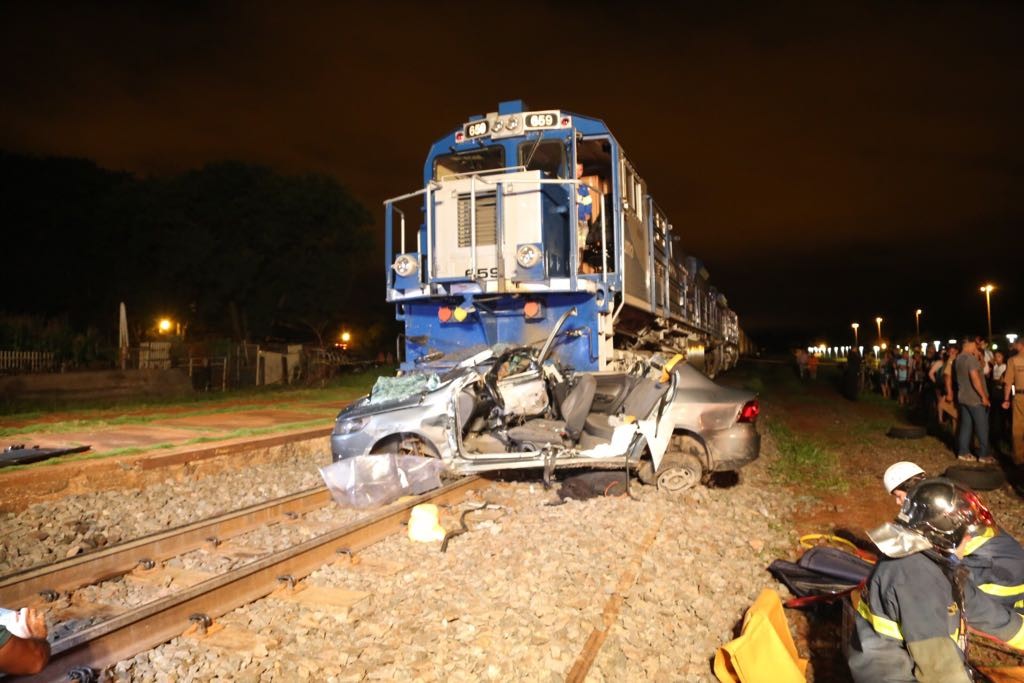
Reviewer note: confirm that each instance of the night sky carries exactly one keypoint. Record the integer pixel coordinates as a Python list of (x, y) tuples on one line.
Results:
[(830, 162)]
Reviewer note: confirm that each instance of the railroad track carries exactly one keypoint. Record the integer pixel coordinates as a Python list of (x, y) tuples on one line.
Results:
[(132, 631)]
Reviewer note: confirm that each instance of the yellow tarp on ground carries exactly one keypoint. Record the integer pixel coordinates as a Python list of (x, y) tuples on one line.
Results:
[(765, 651)]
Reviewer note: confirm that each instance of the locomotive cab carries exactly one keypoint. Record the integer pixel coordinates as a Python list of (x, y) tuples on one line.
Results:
[(525, 215)]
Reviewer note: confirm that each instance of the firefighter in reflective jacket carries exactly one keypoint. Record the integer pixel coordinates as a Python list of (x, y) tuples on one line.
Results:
[(912, 616), (994, 557)]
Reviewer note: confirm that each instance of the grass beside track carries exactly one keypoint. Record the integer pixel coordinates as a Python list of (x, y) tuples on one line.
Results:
[(95, 415), (806, 461)]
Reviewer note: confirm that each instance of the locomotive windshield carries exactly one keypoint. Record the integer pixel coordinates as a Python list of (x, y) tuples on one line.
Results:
[(548, 157), (473, 161)]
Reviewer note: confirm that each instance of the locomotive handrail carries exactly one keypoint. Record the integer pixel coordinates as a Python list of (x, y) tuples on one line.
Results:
[(431, 185), (493, 178)]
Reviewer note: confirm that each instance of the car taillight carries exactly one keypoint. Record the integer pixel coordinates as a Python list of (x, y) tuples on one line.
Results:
[(750, 411)]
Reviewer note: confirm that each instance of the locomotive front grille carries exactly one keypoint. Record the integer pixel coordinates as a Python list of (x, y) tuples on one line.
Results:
[(486, 219)]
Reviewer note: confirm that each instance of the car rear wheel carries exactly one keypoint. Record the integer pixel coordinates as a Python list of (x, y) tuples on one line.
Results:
[(682, 467), (679, 472)]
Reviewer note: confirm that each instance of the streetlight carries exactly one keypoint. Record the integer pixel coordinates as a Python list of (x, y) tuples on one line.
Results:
[(917, 322), (878, 321), (855, 327), (987, 289)]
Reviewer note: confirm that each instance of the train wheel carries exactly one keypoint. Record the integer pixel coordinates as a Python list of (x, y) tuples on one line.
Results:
[(710, 364)]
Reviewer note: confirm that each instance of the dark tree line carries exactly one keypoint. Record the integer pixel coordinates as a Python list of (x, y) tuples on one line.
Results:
[(231, 250)]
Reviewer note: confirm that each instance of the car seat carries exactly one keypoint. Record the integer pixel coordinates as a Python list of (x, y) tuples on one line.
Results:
[(640, 402), (575, 409)]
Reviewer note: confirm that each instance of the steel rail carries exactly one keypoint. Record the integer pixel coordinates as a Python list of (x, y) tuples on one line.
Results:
[(82, 570), (157, 622)]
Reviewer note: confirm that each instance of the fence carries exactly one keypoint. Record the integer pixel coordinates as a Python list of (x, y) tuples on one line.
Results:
[(26, 361)]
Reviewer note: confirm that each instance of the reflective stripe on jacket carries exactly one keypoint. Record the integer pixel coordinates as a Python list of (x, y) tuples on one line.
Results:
[(996, 561)]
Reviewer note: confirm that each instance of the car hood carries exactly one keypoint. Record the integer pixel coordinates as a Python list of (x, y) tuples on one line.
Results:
[(389, 395)]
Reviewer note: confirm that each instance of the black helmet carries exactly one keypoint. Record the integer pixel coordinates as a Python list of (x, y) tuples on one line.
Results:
[(943, 512)]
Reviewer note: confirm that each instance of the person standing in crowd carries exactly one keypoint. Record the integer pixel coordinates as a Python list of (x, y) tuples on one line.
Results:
[(886, 371), (912, 616), (902, 374), (917, 373), (812, 365), (984, 354), (938, 388), (949, 405), (1013, 388), (801, 363), (998, 418), (974, 404)]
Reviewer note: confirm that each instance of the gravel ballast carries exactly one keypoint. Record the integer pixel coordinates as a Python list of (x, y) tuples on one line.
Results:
[(518, 597), (54, 530)]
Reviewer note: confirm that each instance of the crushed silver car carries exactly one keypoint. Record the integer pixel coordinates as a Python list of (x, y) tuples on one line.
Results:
[(517, 408)]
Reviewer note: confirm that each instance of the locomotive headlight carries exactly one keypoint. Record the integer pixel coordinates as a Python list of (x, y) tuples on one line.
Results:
[(498, 125), (527, 255), (405, 265), (512, 123)]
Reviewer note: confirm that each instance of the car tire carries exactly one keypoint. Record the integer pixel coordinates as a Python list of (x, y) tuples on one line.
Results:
[(679, 472), (979, 478), (907, 432)]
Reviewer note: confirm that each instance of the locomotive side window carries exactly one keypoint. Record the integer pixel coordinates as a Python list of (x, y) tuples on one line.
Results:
[(547, 156), (594, 155), (628, 188), (473, 161)]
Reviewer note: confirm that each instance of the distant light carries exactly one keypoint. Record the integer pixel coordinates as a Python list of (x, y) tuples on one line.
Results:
[(346, 337), (918, 311), (878, 320), (937, 344), (952, 341), (165, 325), (1011, 337), (995, 347), (986, 288), (884, 347)]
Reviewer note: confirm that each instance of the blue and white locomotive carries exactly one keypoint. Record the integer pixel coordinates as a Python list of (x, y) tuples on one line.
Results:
[(525, 215)]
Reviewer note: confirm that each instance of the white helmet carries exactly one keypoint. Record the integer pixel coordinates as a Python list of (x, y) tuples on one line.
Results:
[(899, 473)]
